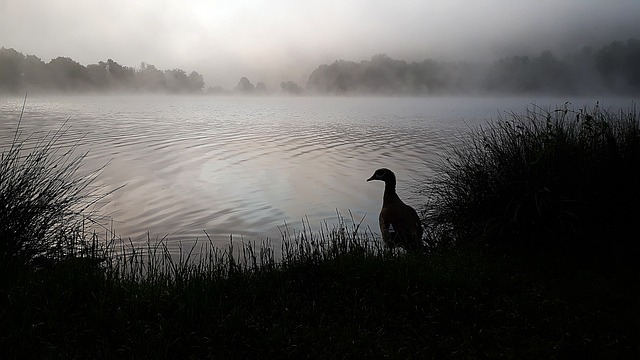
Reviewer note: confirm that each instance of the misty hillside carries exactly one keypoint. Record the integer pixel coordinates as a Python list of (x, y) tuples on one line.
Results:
[(612, 68)]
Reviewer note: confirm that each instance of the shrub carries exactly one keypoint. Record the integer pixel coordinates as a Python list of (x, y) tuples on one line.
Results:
[(563, 178)]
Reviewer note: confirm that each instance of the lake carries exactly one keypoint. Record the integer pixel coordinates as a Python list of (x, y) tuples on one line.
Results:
[(246, 166)]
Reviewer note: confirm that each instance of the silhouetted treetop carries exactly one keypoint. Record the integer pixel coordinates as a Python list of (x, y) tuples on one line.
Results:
[(291, 87), (244, 86), (619, 63)]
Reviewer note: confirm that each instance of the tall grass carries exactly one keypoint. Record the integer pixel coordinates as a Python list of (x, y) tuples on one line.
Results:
[(155, 262), (45, 202), (341, 295), (556, 179)]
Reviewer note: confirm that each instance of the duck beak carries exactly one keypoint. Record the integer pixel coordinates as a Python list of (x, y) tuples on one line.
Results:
[(371, 178)]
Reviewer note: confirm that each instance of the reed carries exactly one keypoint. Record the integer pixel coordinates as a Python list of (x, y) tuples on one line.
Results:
[(153, 261), (559, 180), (46, 202)]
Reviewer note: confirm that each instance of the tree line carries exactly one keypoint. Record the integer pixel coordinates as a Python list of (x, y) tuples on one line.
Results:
[(612, 68), (19, 72)]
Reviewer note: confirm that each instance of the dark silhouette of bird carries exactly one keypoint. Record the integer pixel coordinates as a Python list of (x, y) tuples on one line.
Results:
[(400, 225)]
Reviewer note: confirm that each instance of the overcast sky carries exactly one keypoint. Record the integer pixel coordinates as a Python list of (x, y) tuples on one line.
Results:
[(276, 40)]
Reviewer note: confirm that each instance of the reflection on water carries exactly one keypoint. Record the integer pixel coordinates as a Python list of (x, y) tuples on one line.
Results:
[(244, 166)]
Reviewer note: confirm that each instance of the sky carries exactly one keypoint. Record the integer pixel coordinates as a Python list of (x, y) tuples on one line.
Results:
[(282, 40)]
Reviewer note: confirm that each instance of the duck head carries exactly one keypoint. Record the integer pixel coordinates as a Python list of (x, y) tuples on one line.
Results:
[(383, 174)]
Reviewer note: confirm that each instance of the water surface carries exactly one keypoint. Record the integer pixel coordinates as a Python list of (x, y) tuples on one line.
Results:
[(245, 166)]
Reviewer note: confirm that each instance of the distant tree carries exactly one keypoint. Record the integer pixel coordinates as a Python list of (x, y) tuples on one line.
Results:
[(291, 87), (98, 76), (425, 77), (618, 64), (552, 74), (68, 74), (177, 81), (508, 74), (10, 69), (150, 79), (120, 77), (521, 74), (383, 75), (34, 73), (196, 82), (582, 70), (261, 88), (340, 77), (244, 86)]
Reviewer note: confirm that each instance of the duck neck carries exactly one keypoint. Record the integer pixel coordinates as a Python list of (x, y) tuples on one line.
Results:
[(390, 190)]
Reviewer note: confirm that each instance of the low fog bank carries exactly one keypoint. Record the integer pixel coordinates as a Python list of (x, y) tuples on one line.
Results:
[(610, 69)]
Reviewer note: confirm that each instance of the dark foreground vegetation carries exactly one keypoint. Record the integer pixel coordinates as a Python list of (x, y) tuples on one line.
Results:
[(517, 265), (563, 182)]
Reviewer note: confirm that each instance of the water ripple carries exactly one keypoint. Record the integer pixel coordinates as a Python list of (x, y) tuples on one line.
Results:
[(245, 166)]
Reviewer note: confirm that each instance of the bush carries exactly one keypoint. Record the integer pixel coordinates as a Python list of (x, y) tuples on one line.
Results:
[(557, 179), (45, 203)]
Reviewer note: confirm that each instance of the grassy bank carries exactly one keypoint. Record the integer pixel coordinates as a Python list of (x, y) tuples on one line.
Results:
[(347, 302), (454, 304), (475, 293)]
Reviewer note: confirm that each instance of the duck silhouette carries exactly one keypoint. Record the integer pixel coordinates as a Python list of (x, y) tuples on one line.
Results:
[(400, 224)]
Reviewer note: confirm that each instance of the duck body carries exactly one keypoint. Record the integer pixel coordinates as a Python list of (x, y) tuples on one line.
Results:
[(400, 224)]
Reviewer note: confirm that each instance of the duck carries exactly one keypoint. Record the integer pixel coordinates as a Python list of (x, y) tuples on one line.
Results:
[(400, 224)]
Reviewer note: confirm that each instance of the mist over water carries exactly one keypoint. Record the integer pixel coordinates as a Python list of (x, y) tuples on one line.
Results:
[(245, 166)]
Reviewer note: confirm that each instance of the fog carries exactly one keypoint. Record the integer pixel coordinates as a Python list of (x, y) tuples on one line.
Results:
[(281, 40)]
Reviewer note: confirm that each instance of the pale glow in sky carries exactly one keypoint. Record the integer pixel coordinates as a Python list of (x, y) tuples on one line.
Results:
[(280, 40)]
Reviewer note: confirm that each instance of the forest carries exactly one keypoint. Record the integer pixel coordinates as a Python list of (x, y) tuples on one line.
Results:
[(19, 73), (612, 68)]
